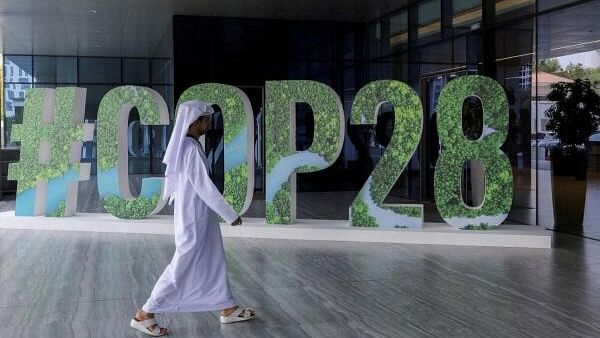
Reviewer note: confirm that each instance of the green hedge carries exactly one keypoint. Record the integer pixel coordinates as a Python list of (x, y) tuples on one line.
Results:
[(234, 192), (278, 211), (234, 105), (457, 149), (281, 96), (360, 215), (152, 110), (408, 124), (108, 119), (60, 210), (61, 133), (231, 100), (137, 208)]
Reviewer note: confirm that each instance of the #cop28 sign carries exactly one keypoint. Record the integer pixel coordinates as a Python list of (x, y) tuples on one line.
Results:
[(52, 133)]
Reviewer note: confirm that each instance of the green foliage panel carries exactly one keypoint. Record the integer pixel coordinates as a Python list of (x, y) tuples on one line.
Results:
[(48, 118), (138, 208), (458, 149), (368, 209), (282, 159), (238, 130), (113, 184), (278, 210)]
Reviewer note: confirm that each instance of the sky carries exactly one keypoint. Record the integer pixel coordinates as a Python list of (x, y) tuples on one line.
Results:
[(587, 59)]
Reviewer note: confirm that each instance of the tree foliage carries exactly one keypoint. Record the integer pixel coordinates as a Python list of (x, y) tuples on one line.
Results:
[(549, 66), (575, 113)]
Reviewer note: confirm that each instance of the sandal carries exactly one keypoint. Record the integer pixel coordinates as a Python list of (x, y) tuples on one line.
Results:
[(145, 325), (239, 315)]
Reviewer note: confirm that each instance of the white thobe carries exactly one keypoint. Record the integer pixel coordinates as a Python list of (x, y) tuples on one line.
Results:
[(196, 279)]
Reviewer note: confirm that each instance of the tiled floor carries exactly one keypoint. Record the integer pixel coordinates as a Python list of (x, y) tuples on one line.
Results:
[(68, 284)]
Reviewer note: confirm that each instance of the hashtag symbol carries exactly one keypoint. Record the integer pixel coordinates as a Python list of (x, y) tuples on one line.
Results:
[(51, 137)]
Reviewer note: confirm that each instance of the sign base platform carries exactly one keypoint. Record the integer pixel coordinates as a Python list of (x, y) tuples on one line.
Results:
[(521, 236)]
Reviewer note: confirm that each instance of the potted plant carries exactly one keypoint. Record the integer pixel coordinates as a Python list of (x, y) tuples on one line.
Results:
[(573, 117)]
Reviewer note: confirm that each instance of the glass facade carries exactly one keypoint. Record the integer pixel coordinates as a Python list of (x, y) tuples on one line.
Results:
[(525, 45), (446, 40), (98, 75), (568, 50)]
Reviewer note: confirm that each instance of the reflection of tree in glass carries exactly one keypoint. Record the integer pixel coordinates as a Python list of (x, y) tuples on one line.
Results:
[(549, 66), (571, 71), (575, 114)]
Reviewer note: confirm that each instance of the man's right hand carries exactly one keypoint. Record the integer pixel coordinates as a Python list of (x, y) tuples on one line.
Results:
[(238, 221)]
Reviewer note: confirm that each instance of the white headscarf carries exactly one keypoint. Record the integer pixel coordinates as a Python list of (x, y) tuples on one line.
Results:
[(187, 113)]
